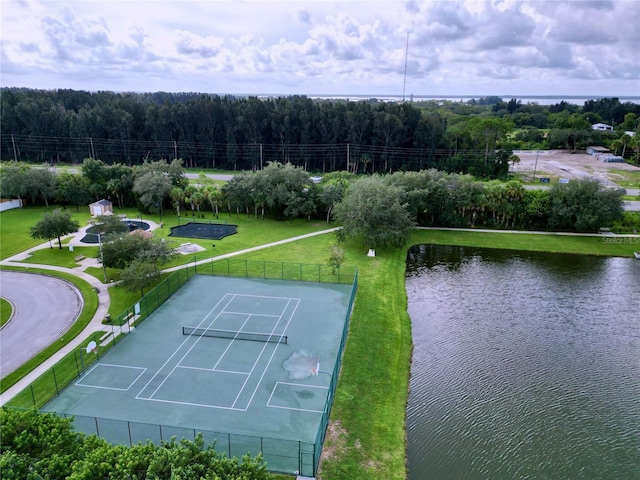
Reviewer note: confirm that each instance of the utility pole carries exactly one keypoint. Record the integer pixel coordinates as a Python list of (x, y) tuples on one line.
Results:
[(104, 269), (93, 152), (175, 150), (347, 157), (15, 155)]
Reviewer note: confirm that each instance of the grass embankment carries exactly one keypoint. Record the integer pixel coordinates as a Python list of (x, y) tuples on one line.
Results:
[(88, 311), (603, 245), (6, 310)]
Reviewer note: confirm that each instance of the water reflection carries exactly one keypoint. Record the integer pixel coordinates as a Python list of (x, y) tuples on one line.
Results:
[(526, 365)]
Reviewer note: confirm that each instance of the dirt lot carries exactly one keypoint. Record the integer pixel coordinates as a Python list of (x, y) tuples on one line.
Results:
[(563, 164)]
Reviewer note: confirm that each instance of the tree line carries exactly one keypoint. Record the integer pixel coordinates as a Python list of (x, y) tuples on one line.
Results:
[(284, 191), (245, 133), (42, 445)]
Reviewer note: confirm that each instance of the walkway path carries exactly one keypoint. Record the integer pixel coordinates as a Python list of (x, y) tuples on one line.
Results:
[(104, 301)]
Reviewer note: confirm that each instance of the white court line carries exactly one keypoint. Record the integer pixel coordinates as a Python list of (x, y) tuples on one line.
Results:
[(231, 343), (297, 385), (213, 370), (178, 349), (264, 371), (232, 296), (252, 313), (265, 296), (79, 384), (192, 404)]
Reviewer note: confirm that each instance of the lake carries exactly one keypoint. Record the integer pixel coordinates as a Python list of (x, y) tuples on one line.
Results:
[(525, 365)]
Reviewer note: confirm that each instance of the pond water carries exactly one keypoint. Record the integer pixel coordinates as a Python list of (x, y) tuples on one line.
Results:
[(525, 365)]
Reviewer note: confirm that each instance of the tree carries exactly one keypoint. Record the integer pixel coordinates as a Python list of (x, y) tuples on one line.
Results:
[(177, 197), (73, 189), (213, 195), (489, 130), (336, 258), (372, 214), (13, 182), (110, 225), (157, 252), (38, 445), (40, 184), (138, 275), (152, 188), (127, 248), (123, 250), (56, 223), (584, 205)]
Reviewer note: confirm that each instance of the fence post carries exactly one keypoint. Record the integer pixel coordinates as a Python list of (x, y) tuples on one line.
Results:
[(75, 359), (55, 381)]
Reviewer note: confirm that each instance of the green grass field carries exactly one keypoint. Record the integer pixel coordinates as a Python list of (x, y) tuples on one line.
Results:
[(629, 179), (366, 437)]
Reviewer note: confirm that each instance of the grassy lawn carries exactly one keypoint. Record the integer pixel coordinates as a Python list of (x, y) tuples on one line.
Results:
[(61, 257), (122, 299), (629, 179), (15, 225), (90, 306), (6, 310)]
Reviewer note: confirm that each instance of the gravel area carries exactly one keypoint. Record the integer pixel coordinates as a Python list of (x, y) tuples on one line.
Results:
[(563, 164)]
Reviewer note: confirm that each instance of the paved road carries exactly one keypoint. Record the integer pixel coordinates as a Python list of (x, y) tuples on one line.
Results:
[(43, 309)]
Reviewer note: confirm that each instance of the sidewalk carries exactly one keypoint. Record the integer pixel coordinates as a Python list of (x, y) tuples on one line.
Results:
[(103, 299)]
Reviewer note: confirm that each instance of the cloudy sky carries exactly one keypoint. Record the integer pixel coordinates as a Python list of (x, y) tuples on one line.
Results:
[(455, 47)]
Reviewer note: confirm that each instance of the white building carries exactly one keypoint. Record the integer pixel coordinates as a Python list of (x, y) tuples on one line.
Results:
[(602, 126)]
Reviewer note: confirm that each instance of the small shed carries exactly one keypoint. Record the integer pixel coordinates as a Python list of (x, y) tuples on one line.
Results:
[(101, 207), (596, 150)]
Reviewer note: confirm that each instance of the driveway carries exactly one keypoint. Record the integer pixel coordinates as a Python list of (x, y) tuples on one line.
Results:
[(43, 309)]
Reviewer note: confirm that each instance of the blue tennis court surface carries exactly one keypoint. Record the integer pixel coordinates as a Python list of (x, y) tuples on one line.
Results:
[(268, 394)]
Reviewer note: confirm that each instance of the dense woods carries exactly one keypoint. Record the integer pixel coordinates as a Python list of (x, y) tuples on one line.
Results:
[(245, 133)]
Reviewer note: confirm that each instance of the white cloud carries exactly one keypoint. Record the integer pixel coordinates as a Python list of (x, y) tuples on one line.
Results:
[(322, 46)]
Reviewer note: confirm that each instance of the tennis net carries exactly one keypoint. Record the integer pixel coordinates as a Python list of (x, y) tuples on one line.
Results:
[(253, 336)]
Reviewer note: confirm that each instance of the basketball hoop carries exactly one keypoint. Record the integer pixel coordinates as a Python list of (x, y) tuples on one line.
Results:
[(92, 347)]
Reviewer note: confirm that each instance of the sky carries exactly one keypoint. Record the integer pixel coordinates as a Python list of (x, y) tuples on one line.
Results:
[(321, 47)]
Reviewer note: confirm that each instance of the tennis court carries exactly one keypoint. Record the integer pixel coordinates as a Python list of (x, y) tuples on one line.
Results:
[(251, 358)]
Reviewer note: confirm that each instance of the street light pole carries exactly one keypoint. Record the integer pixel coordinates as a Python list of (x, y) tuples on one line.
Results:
[(104, 270)]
